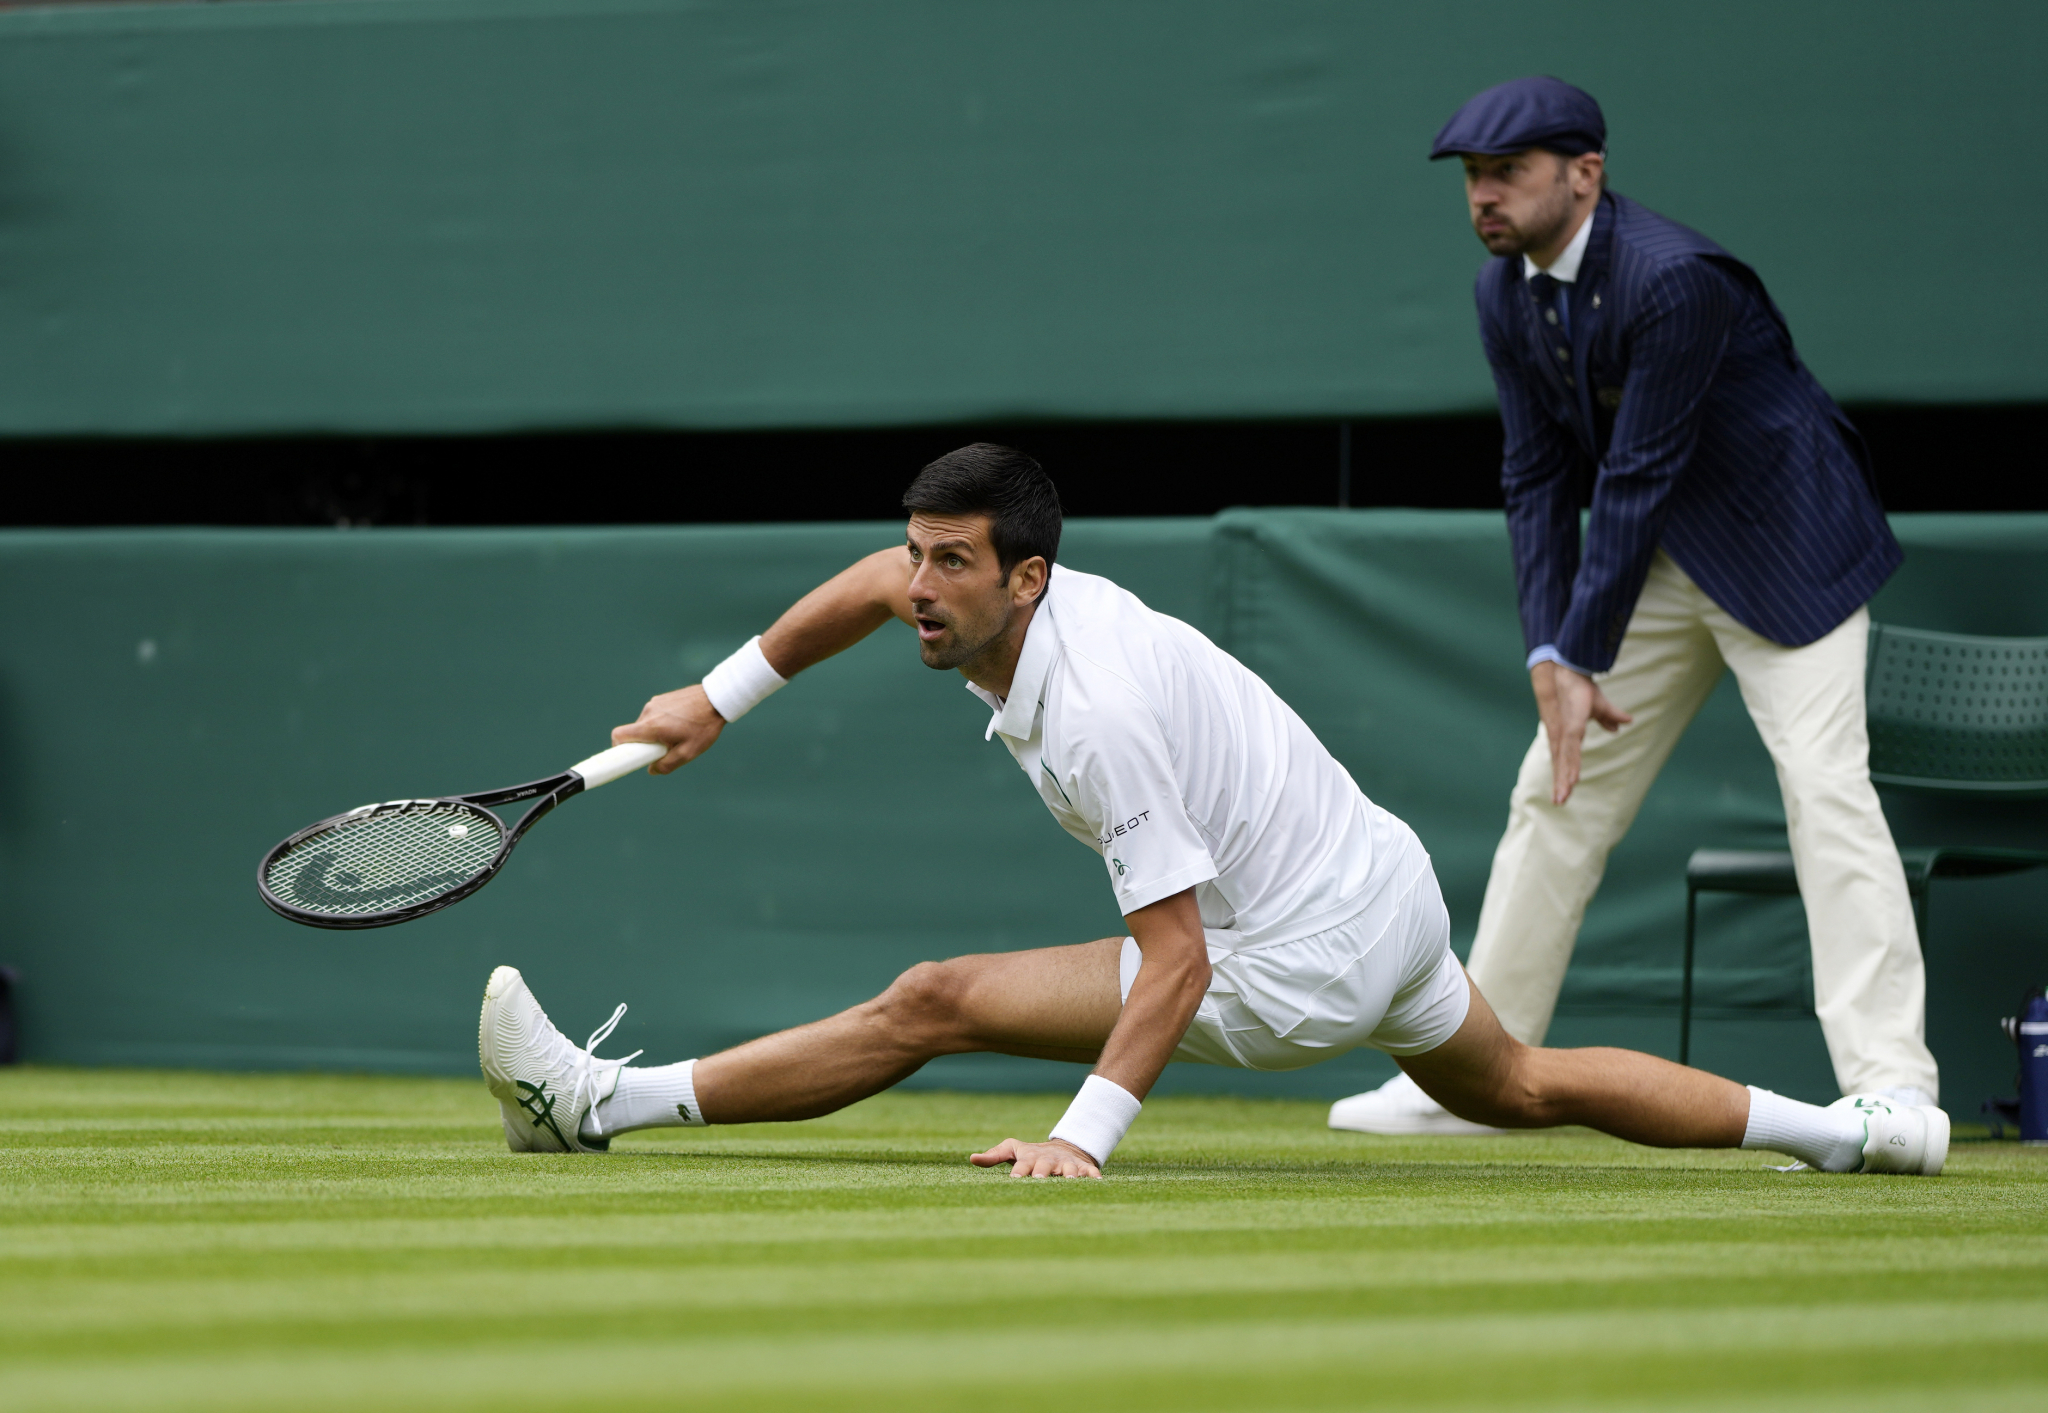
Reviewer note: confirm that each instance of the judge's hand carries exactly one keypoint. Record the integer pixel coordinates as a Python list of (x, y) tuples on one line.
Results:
[(1053, 1158), (683, 720), (1567, 700)]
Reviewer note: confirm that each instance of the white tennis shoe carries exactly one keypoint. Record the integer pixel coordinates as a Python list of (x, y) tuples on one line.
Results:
[(544, 1085), (1400, 1107), (1898, 1138)]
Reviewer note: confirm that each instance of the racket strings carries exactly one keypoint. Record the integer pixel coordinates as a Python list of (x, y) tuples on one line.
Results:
[(384, 861)]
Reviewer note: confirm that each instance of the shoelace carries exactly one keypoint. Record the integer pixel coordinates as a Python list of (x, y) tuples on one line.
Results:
[(585, 1080)]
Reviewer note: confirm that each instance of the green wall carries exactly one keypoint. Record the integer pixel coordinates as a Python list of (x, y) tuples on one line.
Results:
[(173, 702), (441, 215)]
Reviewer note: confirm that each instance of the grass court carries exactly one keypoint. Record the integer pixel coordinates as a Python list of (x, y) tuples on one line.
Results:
[(233, 1242)]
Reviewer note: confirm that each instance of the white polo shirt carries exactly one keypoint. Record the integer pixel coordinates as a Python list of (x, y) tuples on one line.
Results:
[(1171, 759)]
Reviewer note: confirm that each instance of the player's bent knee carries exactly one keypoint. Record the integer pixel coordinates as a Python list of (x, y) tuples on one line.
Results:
[(925, 997), (1508, 1093), (1527, 1095)]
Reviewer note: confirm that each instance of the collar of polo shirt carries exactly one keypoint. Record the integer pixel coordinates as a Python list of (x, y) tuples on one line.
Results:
[(1015, 714)]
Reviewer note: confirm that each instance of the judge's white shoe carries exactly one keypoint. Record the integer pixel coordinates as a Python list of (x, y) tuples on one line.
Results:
[(544, 1085), (1399, 1106), (1898, 1138)]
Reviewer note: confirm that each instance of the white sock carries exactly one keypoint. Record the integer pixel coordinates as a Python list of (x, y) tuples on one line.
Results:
[(1821, 1138), (657, 1096)]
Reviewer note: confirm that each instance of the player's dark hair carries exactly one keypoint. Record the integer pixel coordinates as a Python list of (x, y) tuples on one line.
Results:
[(1012, 490)]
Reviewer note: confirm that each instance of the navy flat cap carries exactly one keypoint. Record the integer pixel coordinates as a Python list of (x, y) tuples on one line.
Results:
[(1524, 113)]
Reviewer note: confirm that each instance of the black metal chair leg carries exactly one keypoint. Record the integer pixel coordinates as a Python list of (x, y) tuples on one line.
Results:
[(1685, 986)]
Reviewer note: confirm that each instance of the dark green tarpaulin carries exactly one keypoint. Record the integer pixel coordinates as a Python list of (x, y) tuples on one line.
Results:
[(446, 215), (171, 703)]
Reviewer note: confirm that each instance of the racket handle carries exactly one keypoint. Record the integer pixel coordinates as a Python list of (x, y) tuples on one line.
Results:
[(607, 766)]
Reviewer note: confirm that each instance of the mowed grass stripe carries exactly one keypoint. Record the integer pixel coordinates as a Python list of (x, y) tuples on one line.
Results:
[(266, 1316), (1412, 1361), (156, 1252)]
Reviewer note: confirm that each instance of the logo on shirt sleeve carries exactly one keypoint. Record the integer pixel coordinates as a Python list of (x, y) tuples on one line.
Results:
[(1126, 827)]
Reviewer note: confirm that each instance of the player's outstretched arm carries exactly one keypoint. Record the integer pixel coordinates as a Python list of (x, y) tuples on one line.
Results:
[(1163, 1000), (829, 619)]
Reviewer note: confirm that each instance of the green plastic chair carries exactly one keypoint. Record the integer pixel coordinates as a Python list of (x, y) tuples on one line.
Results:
[(1950, 715)]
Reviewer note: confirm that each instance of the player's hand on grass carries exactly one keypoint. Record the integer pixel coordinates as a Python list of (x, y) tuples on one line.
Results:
[(683, 720), (1052, 1158), (1567, 700)]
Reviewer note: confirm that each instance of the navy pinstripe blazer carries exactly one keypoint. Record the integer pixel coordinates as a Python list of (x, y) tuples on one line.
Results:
[(1680, 394)]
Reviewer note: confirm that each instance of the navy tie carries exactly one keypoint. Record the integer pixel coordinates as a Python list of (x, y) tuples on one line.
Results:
[(1555, 299)]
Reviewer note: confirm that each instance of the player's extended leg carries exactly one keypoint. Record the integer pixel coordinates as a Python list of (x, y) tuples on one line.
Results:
[(1057, 1003), (1486, 1075), (1054, 1003)]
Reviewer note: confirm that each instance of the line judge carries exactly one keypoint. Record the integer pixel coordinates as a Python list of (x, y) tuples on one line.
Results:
[(1734, 525)]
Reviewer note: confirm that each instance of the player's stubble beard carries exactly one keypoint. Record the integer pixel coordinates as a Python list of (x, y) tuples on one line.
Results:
[(1542, 227), (968, 638)]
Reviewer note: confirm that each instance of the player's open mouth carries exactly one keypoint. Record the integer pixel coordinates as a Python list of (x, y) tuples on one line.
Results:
[(929, 627)]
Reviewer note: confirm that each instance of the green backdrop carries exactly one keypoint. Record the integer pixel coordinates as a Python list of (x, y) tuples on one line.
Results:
[(173, 702), (442, 215)]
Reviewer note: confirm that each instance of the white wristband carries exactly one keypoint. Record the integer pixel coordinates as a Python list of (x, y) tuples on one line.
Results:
[(1101, 1114), (742, 682)]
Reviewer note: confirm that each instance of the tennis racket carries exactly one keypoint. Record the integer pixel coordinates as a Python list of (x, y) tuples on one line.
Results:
[(380, 864)]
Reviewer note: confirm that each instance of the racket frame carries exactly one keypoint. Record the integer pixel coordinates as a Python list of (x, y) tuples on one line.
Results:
[(546, 794)]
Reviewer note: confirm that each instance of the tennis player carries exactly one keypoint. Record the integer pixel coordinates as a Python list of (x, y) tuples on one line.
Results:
[(1277, 916)]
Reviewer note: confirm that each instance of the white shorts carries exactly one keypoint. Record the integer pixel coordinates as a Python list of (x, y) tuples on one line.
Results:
[(1386, 978)]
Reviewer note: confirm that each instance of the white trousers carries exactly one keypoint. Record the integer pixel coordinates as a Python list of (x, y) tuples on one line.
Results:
[(1869, 984)]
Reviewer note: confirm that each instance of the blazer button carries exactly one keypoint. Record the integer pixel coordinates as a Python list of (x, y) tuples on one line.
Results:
[(1551, 315), (1564, 355), (1570, 381)]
